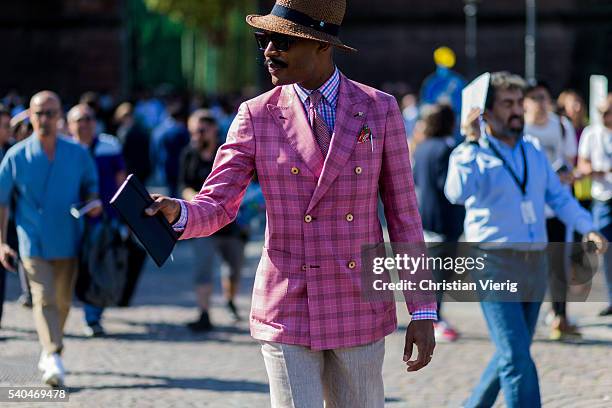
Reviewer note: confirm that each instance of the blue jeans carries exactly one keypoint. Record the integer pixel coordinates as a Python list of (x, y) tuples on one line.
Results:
[(93, 314), (602, 218), (511, 326), (511, 321)]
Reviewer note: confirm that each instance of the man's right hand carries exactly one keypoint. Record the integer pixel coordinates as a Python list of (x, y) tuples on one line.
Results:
[(598, 240), (169, 207), (6, 255), (471, 127)]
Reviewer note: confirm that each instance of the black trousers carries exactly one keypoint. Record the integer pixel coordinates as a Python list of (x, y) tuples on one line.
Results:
[(556, 265)]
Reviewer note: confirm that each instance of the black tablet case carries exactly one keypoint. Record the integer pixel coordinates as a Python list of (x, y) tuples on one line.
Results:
[(154, 232)]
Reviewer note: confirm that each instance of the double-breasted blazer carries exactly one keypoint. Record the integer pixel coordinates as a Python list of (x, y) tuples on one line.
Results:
[(319, 212)]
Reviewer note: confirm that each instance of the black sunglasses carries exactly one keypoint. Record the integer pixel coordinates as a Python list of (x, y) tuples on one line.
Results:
[(281, 42)]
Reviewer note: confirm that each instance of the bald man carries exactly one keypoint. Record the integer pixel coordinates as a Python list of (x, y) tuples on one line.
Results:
[(47, 174)]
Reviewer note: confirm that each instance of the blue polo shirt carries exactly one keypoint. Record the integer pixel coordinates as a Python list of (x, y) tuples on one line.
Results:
[(44, 192)]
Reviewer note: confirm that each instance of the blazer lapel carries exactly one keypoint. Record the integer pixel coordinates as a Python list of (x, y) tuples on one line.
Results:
[(350, 116), (290, 116)]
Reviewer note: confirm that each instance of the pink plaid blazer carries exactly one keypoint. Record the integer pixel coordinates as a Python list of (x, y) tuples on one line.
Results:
[(319, 212)]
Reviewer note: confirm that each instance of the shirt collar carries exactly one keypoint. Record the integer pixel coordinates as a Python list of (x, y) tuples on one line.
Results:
[(36, 146), (500, 145), (329, 89)]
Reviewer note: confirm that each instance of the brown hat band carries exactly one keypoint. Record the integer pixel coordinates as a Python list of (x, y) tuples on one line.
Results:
[(305, 20)]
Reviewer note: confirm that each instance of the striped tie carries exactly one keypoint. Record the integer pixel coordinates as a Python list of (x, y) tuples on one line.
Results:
[(319, 127)]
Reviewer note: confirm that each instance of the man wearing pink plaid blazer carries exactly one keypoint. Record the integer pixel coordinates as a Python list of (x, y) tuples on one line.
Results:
[(320, 339)]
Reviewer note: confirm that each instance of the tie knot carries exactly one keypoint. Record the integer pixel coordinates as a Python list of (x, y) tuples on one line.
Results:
[(315, 98)]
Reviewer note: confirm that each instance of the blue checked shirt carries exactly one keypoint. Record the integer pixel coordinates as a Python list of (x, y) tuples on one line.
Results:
[(327, 110), (329, 101)]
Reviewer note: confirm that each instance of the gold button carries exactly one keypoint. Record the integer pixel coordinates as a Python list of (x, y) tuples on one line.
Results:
[(352, 265), (308, 218), (304, 267), (358, 170), (349, 217), (295, 170)]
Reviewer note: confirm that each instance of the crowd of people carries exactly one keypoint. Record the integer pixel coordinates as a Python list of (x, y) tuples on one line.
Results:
[(555, 166), (183, 142), (559, 126), (164, 141), (82, 153)]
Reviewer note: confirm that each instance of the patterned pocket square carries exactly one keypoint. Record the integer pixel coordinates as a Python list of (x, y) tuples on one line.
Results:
[(364, 135)]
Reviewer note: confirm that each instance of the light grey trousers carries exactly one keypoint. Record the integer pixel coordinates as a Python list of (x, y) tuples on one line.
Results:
[(344, 378)]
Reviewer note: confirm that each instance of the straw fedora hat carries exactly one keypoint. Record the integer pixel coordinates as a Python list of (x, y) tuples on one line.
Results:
[(318, 20)]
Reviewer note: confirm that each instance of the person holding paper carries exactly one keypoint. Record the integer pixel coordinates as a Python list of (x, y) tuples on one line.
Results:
[(595, 159), (323, 147), (505, 180), (47, 173)]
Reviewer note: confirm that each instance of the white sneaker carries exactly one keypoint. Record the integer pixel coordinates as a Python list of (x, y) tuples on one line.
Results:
[(54, 371)]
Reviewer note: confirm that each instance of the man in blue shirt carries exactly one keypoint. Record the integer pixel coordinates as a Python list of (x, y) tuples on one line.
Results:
[(46, 174), (504, 180)]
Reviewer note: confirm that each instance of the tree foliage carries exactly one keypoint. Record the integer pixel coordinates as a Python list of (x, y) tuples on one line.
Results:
[(211, 16)]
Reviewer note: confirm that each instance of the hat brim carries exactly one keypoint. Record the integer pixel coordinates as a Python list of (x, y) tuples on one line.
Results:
[(283, 26)]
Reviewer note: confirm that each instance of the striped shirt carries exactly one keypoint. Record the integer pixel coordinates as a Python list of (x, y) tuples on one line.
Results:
[(329, 101)]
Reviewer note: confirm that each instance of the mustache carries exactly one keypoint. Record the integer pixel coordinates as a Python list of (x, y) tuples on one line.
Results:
[(275, 61)]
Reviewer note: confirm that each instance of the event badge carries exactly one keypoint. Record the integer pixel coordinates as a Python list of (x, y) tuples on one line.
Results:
[(528, 212)]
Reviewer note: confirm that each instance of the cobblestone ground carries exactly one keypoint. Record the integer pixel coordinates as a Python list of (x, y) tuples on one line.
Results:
[(150, 359)]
